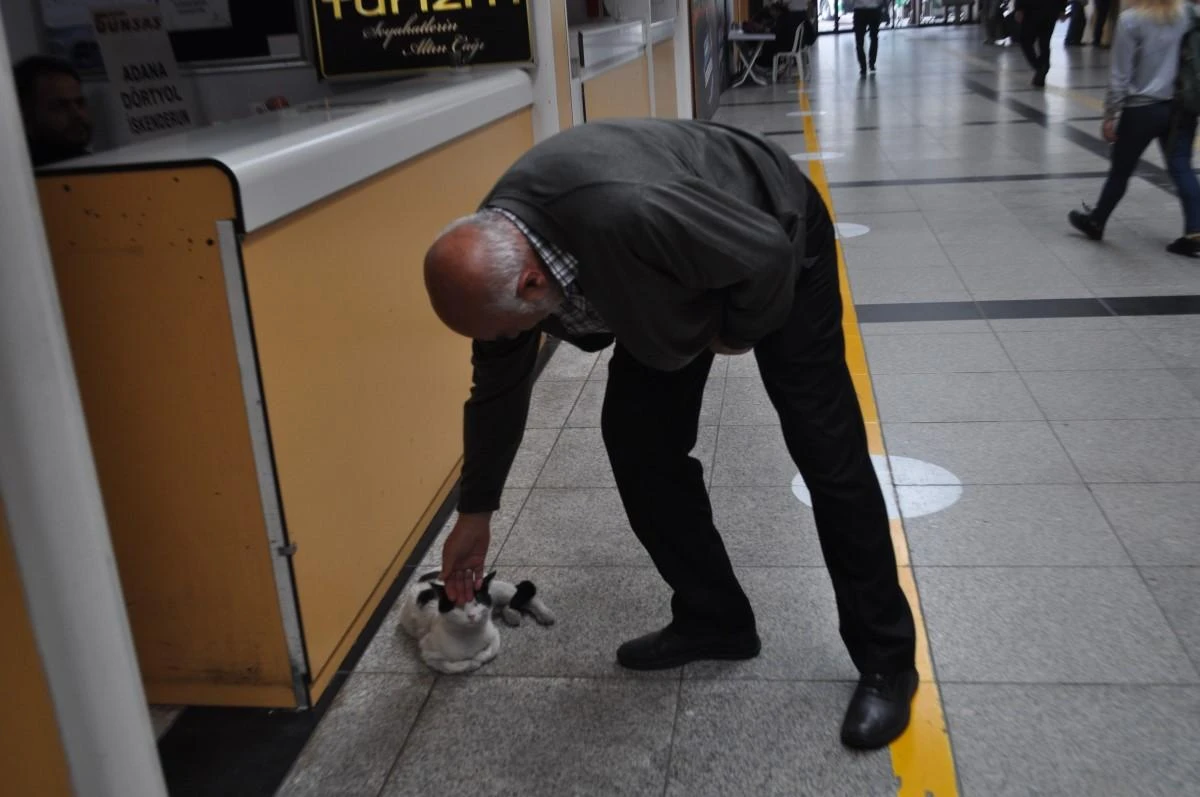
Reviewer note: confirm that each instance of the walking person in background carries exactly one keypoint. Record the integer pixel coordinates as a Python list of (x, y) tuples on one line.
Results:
[(1139, 109), (1099, 21), (868, 14), (1037, 19), (1078, 12)]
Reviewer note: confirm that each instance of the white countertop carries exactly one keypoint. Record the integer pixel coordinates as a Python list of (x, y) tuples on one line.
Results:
[(286, 160)]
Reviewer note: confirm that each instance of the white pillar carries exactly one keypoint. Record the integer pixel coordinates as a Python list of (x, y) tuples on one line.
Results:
[(545, 87), (54, 511), (684, 69)]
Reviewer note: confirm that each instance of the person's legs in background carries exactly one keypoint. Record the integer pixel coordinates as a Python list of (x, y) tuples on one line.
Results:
[(1078, 24), (1137, 127), (860, 35), (1099, 21), (1044, 32), (1177, 148), (874, 18)]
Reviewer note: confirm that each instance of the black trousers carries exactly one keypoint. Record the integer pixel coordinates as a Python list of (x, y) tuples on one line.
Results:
[(1078, 23), (650, 422), (1036, 33), (867, 19), (1103, 7)]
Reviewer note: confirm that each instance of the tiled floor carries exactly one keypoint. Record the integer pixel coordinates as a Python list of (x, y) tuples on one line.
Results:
[(1061, 591)]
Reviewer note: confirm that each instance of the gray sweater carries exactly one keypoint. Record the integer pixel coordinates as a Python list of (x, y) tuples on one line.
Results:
[(1145, 61), (684, 231)]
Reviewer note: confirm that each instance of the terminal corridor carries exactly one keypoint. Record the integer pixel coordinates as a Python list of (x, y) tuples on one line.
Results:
[(1033, 401)]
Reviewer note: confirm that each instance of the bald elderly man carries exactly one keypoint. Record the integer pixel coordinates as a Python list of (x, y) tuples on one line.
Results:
[(680, 240)]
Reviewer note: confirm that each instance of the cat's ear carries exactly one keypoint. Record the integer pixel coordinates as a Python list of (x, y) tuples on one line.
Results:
[(487, 581), (439, 589)]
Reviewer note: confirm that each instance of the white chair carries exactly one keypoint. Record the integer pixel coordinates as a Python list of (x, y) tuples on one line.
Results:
[(798, 56)]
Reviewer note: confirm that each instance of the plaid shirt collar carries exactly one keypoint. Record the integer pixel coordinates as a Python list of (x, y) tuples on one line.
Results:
[(576, 314)]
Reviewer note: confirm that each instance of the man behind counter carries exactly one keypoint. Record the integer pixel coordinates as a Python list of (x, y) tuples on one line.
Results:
[(58, 125)]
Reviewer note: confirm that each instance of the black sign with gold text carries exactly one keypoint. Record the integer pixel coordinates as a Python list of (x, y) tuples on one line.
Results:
[(365, 37)]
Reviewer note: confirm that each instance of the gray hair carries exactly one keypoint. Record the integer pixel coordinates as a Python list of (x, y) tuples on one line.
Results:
[(507, 253)]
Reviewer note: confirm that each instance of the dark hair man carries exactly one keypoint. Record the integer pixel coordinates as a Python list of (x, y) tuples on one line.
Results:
[(57, 123)]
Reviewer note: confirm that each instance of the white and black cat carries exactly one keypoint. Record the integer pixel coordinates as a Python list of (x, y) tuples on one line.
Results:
[(458, 639)]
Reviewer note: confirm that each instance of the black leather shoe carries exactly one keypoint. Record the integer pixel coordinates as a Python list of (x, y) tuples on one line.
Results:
[(1186, 246), (879, 710), (1086, 224), (665, 649)]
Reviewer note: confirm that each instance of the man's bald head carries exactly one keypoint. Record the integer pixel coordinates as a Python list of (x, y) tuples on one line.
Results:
[(485, 281)]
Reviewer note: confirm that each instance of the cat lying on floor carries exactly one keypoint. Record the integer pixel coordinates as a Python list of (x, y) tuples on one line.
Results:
[(458, 639)]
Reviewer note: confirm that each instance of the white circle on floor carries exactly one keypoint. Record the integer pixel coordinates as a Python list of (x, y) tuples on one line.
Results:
[(795, 114), (924, 488), (847, 230), (823, 155)]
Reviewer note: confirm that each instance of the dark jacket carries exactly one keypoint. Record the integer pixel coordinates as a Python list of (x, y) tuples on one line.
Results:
[(684, 231)]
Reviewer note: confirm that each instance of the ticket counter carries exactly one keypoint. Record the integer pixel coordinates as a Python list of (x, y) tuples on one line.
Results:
[(274, 409)]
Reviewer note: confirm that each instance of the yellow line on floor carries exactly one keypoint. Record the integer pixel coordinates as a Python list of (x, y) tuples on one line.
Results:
[(921, 759)]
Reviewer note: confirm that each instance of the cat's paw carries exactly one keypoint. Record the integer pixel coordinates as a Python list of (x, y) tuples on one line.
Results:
[(541, 612)]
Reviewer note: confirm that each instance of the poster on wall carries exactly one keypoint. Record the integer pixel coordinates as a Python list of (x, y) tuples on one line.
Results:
[(372, 37), (195, 14), (142, 72), (708, 55), (71, 36)]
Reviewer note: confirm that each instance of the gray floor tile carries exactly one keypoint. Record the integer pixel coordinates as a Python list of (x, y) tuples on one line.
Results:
[(1133, 451), (875, 329), (797, 620), (746, 404), (1111, 395), (597, 608), (488, 737), (913, 284), (1159, 523), (768, 739), (752, 456), (1090, 324), (935, 354), (1189, 377), (531, 457), (765, 526), (1100, 350), (1178, 347), (589, 405), (985, 453), (599, 372), (572, 527), (580, 460), (588, 408), (1177, 590), (569, 362), (359, 738), (954, 397), (1021, 741), (511, 502), (1048, 624), (1016, 525), (552, 402)]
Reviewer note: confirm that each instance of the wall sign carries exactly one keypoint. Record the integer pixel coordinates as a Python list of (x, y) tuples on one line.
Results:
[(142, 72), (366, 37)]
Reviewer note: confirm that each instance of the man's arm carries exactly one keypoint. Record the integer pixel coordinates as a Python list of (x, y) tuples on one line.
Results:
[(494, 418), (711, 241)]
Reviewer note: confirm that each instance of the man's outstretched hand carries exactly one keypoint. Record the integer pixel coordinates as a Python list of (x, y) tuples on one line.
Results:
[(464, 556)]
